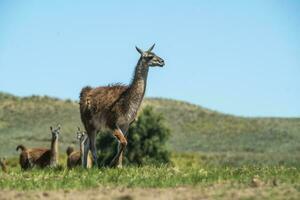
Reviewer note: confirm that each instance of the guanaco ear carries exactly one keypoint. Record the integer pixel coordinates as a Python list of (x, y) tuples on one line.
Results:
[(151, 48), (78, 128), (58, 127), (139, 50), (51, 128)]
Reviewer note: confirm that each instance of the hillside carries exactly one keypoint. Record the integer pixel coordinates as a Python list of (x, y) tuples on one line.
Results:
[(27, 120)]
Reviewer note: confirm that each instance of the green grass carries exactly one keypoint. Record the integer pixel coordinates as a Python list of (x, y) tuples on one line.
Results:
[(52, 179), (181, 173)]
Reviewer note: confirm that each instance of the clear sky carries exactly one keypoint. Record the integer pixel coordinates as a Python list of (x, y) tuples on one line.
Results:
[(237, 57)]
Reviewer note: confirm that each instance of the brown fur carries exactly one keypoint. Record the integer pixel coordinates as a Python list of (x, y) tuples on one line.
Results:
[(99, 101), (116, 106), (74, 159), (41, 157), (70, 150), (35, 156)]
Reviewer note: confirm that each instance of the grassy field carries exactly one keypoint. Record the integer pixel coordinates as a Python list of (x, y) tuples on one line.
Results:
[(189, 172), (185, 171), (214, 155)]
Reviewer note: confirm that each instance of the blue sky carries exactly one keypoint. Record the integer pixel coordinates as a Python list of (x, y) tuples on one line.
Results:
[(237, 57)]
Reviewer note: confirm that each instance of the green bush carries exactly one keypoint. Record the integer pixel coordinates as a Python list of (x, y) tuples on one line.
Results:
[(146, 141)]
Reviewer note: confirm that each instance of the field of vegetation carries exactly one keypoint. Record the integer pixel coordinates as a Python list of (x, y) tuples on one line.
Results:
[(192, 173), (214, 155)]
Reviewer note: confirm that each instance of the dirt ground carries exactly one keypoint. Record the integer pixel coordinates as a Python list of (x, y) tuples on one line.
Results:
[(218, 191)]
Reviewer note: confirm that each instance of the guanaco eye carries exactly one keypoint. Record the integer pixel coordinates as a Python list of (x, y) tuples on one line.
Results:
[(149, 56)]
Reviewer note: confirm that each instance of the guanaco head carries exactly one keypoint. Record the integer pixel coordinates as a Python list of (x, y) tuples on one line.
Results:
[(150, 58), (84, 141), (81, 135), (55, 131)]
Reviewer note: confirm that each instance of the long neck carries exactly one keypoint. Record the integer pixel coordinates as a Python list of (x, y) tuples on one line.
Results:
[(138, 84), (84, 145), (54, 151)]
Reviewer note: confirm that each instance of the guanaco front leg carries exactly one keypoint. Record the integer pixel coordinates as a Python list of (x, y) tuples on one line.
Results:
[(117, 160)]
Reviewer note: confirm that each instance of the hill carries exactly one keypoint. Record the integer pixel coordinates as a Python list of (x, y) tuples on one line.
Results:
[(26, 120)]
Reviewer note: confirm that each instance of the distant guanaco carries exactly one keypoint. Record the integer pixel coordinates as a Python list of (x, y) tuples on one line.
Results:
[(75, 157), (41, 157)]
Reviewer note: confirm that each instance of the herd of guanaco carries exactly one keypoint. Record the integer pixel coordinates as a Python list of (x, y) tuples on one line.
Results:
[(112, 107), (48, 157)]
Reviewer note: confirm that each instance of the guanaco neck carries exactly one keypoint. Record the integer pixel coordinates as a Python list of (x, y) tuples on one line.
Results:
[(84, 145), (137, 87), (54, 151)]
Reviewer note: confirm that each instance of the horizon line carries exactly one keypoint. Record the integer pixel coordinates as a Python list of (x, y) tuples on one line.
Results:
[(164, 98)]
